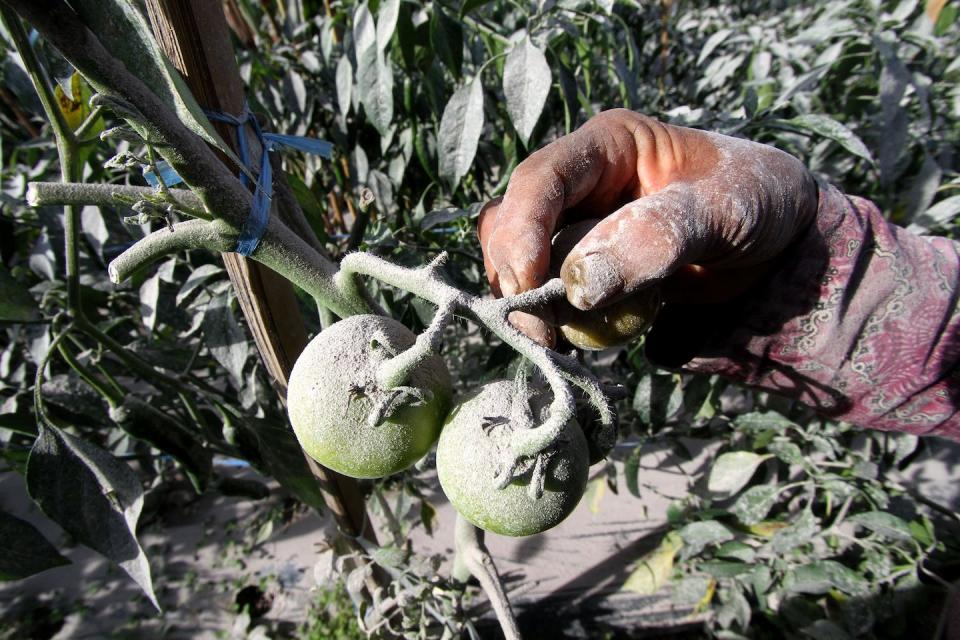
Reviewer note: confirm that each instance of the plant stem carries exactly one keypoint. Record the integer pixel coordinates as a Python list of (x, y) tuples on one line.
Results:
[(109, 394), (473, 556), (66, 147), (280, 249), (492, 314), (41, 194)]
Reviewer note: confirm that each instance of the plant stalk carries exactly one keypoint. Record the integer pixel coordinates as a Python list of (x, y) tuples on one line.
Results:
[(472, 556)]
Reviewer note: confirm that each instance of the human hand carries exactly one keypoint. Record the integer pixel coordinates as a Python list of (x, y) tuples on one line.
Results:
[(697, 213)]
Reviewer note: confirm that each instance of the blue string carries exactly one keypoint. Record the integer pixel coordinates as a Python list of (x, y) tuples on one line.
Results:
[(256, 223)]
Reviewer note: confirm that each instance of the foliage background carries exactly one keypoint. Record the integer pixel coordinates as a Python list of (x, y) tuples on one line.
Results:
[(431, 106)]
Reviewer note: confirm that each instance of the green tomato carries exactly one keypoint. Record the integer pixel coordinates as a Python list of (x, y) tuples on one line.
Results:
[(333, 390), (613, 325), (468, 454)]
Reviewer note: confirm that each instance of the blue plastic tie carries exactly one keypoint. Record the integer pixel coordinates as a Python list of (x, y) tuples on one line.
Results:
[(167, 174), (256, 224)]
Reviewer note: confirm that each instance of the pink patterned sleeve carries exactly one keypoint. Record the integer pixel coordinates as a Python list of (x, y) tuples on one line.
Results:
[(859, 320)]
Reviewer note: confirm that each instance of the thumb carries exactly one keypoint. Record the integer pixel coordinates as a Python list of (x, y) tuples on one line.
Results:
[(635, 247)]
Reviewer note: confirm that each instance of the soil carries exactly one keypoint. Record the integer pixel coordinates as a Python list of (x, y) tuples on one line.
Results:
[(210, 553)]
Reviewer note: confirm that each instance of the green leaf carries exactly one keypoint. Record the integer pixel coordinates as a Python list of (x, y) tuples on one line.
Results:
[(76, 106), (446, 38), (821, 577), (25, 550), (375, 88), (884, 524), (786, 451), (387, 15), (631, 472), (698, 535), (460, 129), (145, 422), (800, 532), (825, 630), (95, 498), (830, 128), (595, 492), (760, 421), (344, 84), (653, 570), (389, 557), (755, 503), (16, 303), (407, 37), (428, 516), (733, 470), (526, 85)]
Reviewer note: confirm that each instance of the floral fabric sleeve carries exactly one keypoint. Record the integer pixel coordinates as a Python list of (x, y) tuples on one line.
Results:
[(860, 320)]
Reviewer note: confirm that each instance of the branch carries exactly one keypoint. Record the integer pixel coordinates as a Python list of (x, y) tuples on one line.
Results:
[(220, 190), (41, 194), (280, 249), (192, 234), (472, 556), (426, 283)]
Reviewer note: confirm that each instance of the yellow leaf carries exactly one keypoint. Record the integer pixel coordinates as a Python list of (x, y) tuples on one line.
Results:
[(704, 602), (75, 108), (654, 569), (598, 488), (766, 529)]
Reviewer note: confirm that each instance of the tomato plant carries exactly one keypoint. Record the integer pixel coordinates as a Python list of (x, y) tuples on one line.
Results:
[(110, 391)]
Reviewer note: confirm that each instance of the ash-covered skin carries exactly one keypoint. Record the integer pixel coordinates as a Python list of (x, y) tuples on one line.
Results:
[(333, 389), (612, 325), (470, 448), (670, 198)]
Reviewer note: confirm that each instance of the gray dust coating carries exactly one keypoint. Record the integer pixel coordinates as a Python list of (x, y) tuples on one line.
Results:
[(467, 460), (333, 388)]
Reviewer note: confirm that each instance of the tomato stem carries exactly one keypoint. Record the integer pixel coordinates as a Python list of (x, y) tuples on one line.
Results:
[(473, 558)]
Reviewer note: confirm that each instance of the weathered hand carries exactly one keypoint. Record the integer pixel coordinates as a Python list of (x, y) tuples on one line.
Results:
[(695, 212)]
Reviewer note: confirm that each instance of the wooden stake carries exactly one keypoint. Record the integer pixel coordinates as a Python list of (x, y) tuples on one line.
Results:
[(196, 38)]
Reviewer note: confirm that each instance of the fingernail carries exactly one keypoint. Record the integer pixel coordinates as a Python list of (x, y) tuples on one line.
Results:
[(509, 286), (592, 280)]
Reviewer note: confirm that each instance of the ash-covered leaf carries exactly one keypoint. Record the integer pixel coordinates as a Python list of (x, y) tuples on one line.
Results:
[(460, 129), (755, 503), (226, 340), (526, 85), (799, 533), (375, 88), (25, 550), (653, 570), (16, 303), (95, 497), (821, 577), (733, 470), (883, 524), (698, 535)]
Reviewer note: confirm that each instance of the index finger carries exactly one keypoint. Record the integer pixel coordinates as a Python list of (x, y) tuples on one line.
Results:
[(594, 165)]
